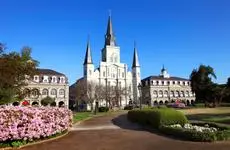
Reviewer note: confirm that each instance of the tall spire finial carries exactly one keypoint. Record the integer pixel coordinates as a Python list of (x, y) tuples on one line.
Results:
[(109, 36), (135, 57), (88, 57)]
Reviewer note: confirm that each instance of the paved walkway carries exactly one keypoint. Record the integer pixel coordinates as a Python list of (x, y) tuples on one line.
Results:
[(116, 133)]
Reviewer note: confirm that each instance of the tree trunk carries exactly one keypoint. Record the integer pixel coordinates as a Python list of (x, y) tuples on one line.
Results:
[(91, 106)]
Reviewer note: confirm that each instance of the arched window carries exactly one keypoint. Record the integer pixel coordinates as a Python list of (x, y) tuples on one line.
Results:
[(165, 93), (35, 92), (61, 92), (182, 94), (172, 94), (187, 94), (26, 92), (160, 93), (177, 94), (53, 92), (45, 92), (154, 93)]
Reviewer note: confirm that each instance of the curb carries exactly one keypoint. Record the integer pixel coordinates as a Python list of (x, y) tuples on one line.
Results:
[(35, 143)]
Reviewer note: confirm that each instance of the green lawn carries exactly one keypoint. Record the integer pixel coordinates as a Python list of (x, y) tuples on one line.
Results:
[(79, 116), (218, 115)]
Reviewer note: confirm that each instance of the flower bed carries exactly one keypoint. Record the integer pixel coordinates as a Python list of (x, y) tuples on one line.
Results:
[(203, 132), (20, 125)]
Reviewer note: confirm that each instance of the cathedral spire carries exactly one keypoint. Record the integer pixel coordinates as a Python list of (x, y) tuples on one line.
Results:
[(135, 57), (109, 36), (88, 57)]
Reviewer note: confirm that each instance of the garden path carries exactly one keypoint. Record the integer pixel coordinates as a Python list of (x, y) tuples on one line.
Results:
[(115, 132)]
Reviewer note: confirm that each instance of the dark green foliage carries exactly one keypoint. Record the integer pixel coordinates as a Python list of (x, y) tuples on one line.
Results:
[(48, 101), (103, 109), (128, 107), (157, 117), (15, 69)]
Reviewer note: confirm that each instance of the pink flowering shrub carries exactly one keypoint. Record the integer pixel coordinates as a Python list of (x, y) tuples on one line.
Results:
[(31, 123)]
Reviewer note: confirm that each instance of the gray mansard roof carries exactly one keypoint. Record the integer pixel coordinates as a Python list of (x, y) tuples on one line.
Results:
[(162, 78), (49, 72)]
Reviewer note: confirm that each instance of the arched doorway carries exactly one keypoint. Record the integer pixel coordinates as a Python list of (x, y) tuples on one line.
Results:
[(193, 102), (53, 104), (61, 104), (155, 103), (35, 104), (188, 102), (166, 102), (161, 102), (16, 104)]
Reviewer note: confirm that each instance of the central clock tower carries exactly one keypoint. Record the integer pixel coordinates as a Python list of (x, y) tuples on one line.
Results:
[(110, 52)]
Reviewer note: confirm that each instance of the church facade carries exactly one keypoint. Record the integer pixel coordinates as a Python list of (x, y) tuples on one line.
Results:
[(112, 73)]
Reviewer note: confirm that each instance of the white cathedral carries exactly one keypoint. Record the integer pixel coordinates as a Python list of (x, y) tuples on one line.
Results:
[(111, 71)]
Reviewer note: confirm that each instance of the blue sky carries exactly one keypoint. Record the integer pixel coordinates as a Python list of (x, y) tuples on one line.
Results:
[(181, 34)]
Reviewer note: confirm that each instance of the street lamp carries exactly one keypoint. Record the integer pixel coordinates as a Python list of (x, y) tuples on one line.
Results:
[(139, 88)]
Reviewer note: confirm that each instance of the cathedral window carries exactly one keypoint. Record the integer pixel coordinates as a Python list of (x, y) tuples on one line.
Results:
[(108, 71), (123, 75), (103, 73), (111, 59), (90, 72), (115, 59)]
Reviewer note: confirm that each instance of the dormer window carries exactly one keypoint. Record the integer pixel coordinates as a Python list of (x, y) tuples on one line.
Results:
[(62, 80), (45, 79), (36, 78), (54, 79)]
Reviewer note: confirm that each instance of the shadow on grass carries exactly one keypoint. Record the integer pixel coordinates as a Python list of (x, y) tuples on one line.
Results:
[(123, 122), (218, 118)]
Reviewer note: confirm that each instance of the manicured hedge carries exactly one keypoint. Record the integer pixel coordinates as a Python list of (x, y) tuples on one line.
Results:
[(157, 117), (128, 107), (103, 109)]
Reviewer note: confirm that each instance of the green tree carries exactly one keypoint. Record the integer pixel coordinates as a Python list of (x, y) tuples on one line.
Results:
[(201, 82), (48, 101), (15, 69)]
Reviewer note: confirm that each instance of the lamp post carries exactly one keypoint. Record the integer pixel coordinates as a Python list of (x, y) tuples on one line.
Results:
[(139, 88)]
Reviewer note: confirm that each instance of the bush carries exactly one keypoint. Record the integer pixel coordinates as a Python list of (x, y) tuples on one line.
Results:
[(20, 124), (103, 109), (157, 117), (47, 101), (128, 107)]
